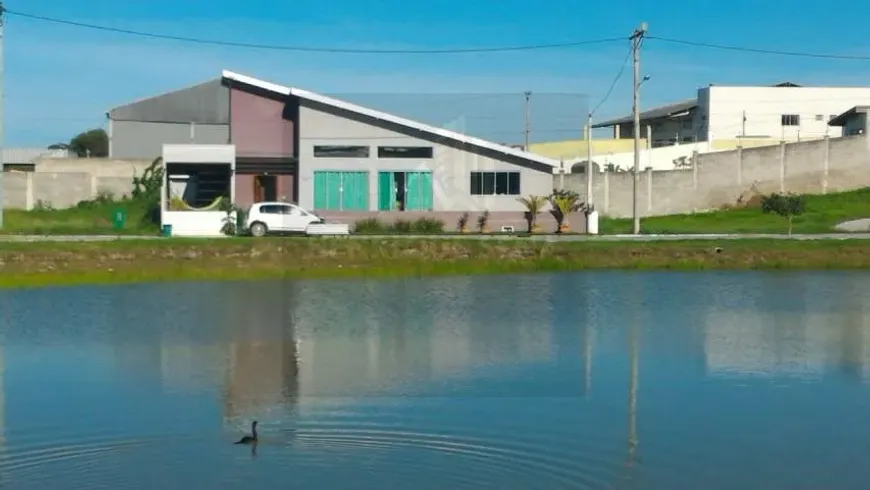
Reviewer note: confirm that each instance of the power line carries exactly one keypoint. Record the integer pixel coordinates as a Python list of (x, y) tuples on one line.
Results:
[(613, 83), (275, 47), (761, 51)]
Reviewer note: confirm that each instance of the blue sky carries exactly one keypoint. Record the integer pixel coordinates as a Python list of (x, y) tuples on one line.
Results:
[(62, 79)]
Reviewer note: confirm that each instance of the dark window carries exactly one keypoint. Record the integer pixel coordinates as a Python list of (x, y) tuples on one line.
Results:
[(514, 183), (488, 183), (500, 183), (791, 120), (341, 151), (271, 209), (405, 152), (476, 184)]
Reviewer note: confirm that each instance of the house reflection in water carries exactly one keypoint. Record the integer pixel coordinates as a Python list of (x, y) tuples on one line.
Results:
[(396, 337), (263, 368)]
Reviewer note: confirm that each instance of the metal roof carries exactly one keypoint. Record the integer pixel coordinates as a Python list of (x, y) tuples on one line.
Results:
[(383, 116), (843, 118), (29, 155), (654, 113)]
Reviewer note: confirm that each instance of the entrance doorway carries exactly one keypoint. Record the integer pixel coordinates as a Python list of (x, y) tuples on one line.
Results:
[(265, 188), (405, 191)]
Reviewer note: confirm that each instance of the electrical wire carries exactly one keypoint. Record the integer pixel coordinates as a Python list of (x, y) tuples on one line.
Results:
[(760, 51), (311, 48), (613, 83)]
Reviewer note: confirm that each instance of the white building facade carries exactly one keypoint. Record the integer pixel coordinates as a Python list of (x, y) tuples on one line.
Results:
[(782, 112)]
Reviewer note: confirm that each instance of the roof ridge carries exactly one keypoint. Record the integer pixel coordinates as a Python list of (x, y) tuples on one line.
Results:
[(403, 121)]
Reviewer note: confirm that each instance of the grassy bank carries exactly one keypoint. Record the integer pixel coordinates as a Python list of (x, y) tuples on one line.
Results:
[(40, 264), (822, 214), (89, 218)]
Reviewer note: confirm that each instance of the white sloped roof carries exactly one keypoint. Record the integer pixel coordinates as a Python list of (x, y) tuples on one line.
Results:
[(340, 104)]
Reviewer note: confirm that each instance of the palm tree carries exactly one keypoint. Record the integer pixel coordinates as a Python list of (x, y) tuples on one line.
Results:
[(534, 205), (564, 202)]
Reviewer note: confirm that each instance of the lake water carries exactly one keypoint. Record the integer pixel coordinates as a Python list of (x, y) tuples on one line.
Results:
[(618, 380)]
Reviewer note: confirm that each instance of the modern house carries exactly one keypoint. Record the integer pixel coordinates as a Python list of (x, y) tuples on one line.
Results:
[(329, 155), (781, 112)]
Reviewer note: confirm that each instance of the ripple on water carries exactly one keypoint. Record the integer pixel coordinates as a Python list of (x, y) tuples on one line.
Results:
[(85, 461), (466, 457)]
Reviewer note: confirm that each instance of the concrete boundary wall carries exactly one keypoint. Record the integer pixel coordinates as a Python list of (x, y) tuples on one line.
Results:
[(714, 179), (730, 177), (28, 190)]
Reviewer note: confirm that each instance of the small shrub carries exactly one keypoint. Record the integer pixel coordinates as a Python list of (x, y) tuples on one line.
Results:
[(462, 224), (369, 225), (42, 205), (428, 225), (402, 226), (483, 222)]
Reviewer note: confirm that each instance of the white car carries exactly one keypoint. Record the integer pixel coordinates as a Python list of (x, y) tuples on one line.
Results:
[(278, 217)]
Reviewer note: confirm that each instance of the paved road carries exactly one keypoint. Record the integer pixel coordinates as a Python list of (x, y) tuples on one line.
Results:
[(544, 238)]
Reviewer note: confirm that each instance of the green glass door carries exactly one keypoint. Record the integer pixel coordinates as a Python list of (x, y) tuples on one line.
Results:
[(386, 191), (355, 191), (418, 191), (341, 191)]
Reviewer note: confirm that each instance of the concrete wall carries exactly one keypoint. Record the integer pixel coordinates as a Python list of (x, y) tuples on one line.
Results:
[(726, 177), (451, 165), (64, 182), (570, 149), (26, 190)]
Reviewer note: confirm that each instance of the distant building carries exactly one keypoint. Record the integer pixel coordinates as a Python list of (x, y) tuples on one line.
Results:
[(22, 159), (853, 122), (784, 111)]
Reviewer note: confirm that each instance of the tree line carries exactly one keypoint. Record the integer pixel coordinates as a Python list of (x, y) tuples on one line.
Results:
[(93, 143)]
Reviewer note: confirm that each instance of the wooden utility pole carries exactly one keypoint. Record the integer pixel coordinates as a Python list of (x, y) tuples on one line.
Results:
[(636, 41)]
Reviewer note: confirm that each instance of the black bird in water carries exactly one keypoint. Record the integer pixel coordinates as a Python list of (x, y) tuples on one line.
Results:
[(252, 438)]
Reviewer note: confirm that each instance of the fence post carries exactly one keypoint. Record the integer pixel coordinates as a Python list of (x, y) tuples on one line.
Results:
[(28, 191), (782, 166), (826, 164), (649, 199)]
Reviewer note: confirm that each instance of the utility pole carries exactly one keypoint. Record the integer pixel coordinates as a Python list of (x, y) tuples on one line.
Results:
[(636, 41), (528, 117), (2, 93), (589, 160)]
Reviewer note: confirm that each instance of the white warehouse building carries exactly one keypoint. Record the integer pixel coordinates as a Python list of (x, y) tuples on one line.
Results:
[(781, 112)]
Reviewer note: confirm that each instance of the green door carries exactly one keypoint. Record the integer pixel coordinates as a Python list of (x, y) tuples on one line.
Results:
[(386, 191), (328, 191), (321, 190), (355, 191), (418, 193)]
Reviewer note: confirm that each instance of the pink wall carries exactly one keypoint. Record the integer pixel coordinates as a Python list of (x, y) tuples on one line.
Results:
[(258, 126), (245, 188)]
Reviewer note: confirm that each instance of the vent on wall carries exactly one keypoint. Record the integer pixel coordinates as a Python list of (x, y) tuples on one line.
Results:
[(507, 229)]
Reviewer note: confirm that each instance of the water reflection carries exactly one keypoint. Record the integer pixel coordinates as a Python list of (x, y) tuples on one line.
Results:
[(448, 383)]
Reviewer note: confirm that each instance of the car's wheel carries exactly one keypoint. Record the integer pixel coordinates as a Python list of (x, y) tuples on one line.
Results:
[(258, 229)]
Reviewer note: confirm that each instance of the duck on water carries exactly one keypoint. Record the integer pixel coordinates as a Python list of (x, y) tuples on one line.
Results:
[(252, 437)]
